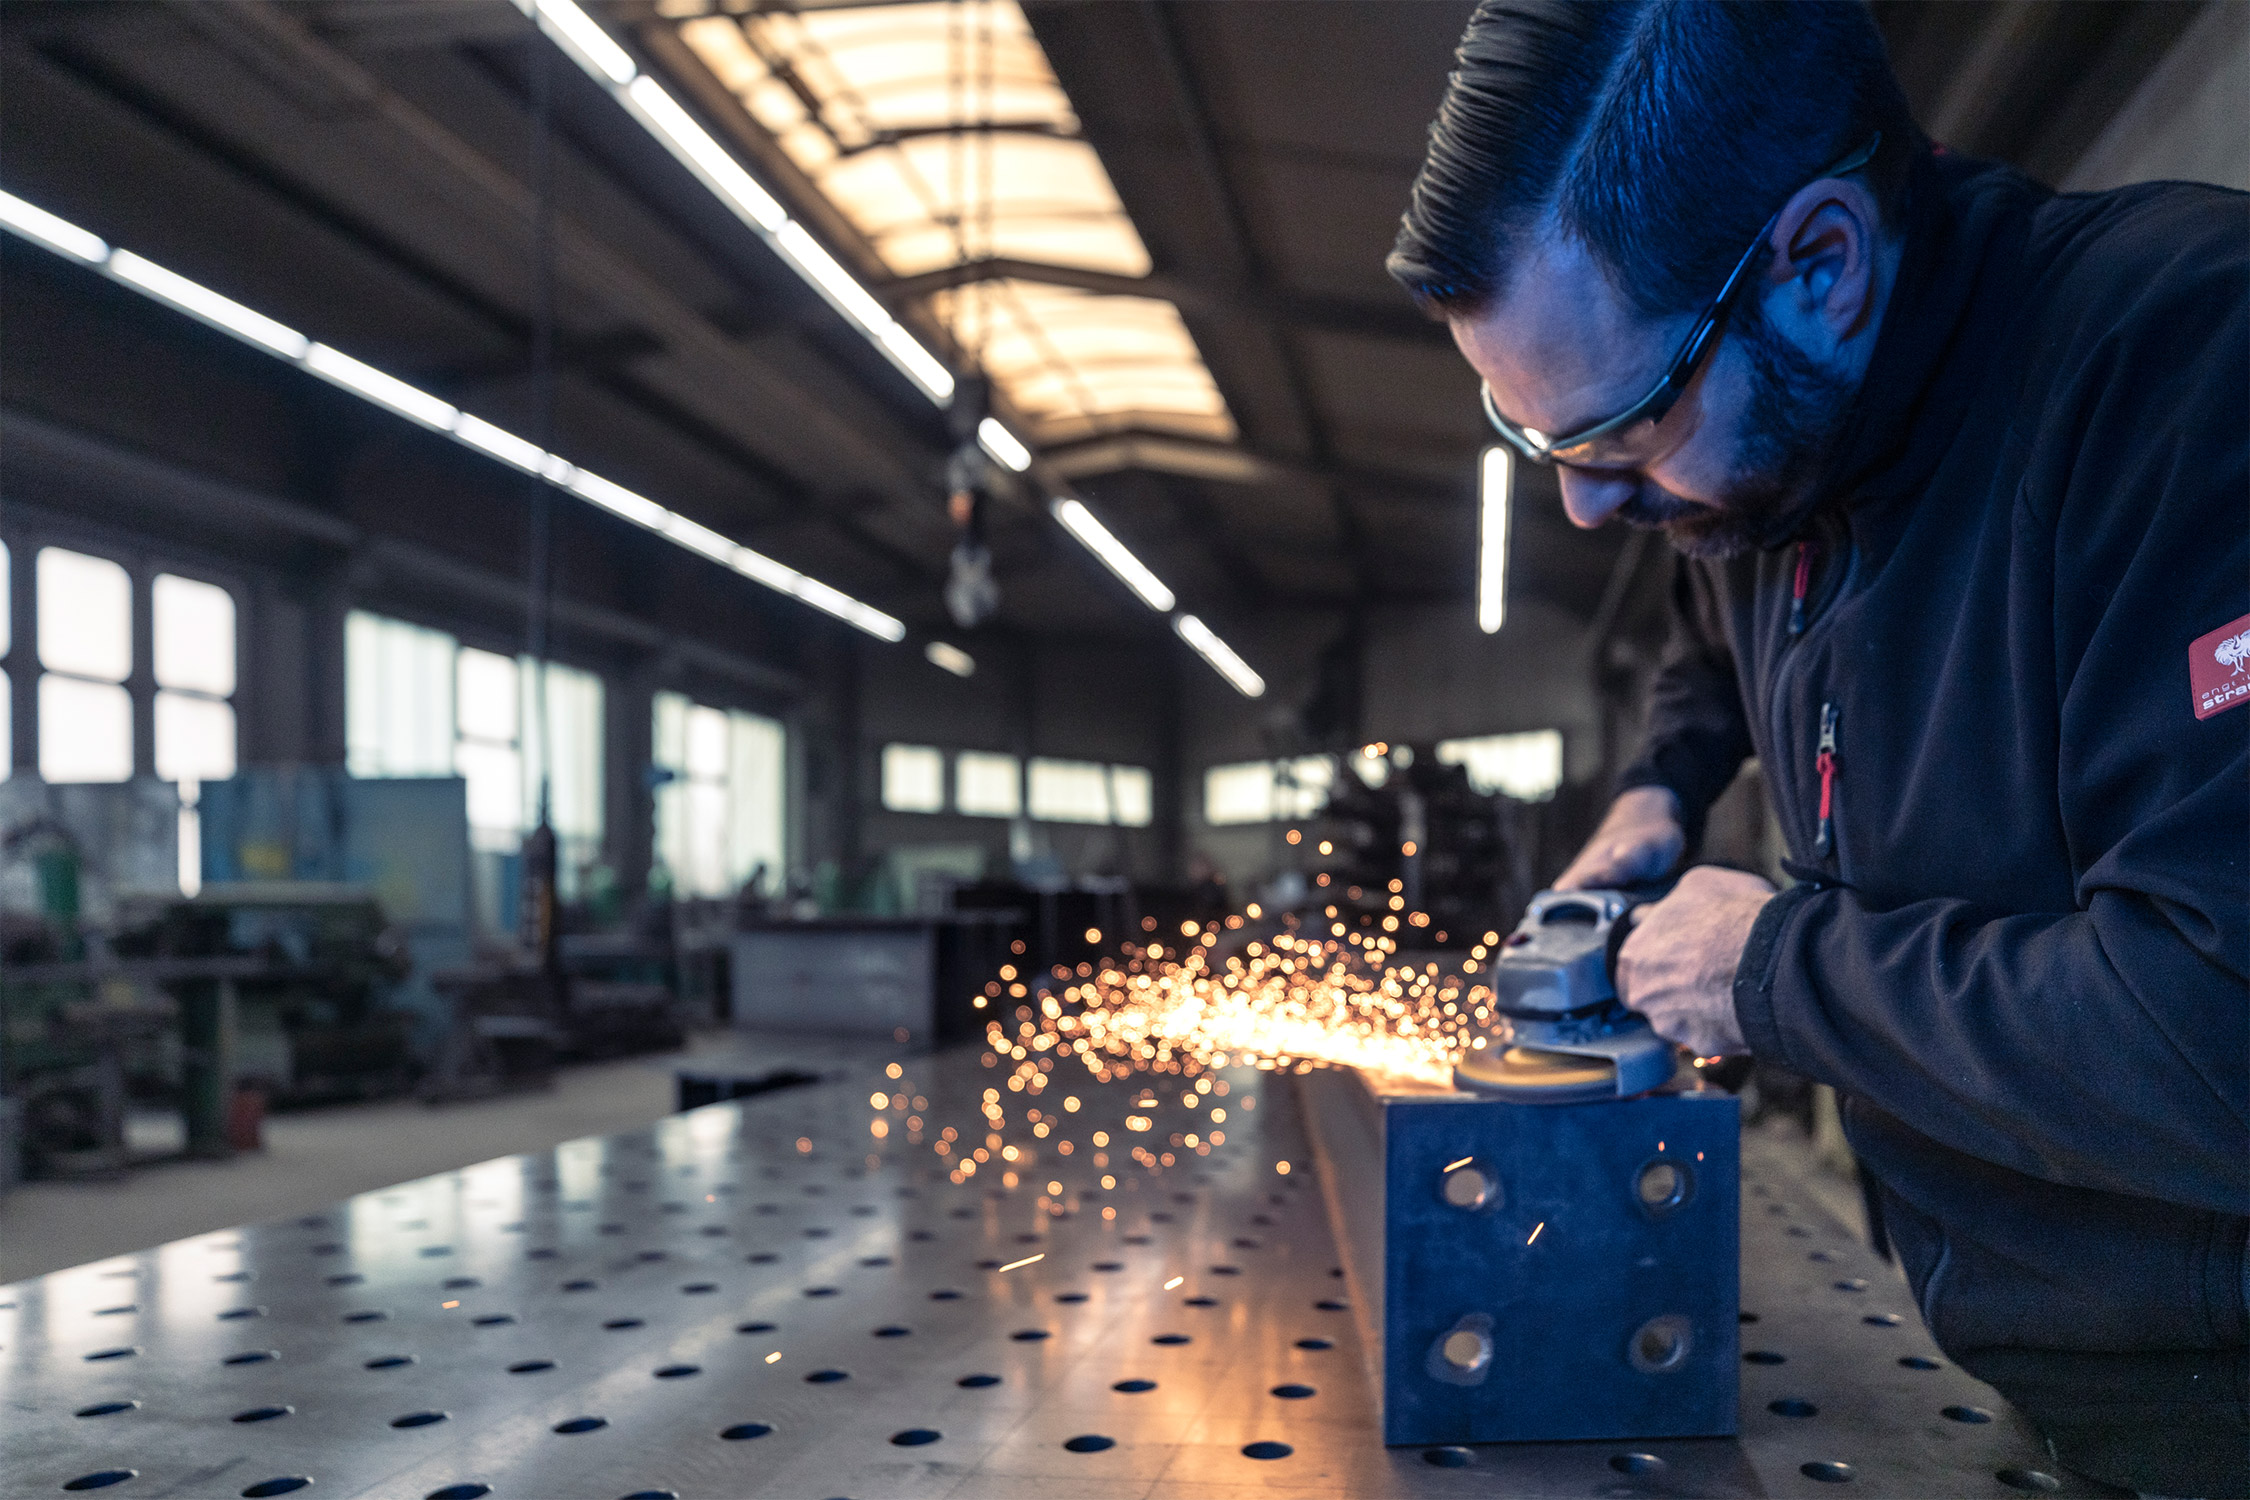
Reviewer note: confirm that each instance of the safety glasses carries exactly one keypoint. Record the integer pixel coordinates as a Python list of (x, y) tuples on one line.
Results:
[(1622, 441)]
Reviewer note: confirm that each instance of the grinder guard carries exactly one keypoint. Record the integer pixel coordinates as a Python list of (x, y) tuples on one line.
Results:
[(1563, 1035)]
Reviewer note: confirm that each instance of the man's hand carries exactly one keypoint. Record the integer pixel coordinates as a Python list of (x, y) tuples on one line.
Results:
[(1677, 965), (1639, 839)]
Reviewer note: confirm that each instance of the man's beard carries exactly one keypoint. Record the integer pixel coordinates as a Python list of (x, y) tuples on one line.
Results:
[(1796, 407)]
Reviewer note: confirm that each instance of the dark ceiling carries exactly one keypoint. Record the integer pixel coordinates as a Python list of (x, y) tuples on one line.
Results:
[(360, 168)]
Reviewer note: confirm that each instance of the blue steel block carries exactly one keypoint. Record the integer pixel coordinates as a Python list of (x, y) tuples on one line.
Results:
[(1559, 1271)]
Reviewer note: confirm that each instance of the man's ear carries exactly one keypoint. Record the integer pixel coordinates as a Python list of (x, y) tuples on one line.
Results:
[(1821, 279)]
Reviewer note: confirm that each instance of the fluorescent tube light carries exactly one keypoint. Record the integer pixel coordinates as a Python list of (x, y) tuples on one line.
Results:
[(588, 45), (201, 302), (1003, 445), (339, 368), (1080, 523), (364, 380), (1220, 655), (585, 43), (1496, 488), (59, 235), (500, 443), (702, 155), (952, 658)]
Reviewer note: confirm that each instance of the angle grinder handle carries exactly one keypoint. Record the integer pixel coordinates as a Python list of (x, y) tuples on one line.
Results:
[(1621, 927)]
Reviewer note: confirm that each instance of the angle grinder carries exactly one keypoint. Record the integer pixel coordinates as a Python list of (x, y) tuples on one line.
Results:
[(1563, 1036)]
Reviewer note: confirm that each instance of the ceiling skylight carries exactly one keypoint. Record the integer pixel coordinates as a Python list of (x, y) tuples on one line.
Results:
[(883, 108)]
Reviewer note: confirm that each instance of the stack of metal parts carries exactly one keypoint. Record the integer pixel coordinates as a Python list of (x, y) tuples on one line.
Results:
[(766, 1297)]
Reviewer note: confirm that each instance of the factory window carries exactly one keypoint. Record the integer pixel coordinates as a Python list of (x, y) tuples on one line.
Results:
[(987, 784), (1525, 766), (913, 778), (85, 612), (1259, 791), (721, 814), (398, 697), (1132, 793), (417, 703), (1084, 791), (193, 627)]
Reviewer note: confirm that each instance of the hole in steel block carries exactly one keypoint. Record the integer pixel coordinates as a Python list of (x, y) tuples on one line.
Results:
[(1917, 1362), (827, 1377), (388, 1362), (418, 1419), (111, 1312), (1974, 1415), (1851, 1284), (1763, 1357), (469, 1491), (820, 1291), (945, 1295), (1202, 1302), (1820, 1255), (237, 1314), (349, 1278), (1448, 1457), (1170, 1338), (265, 1414), (989, 1265), (1226, 1270), (530, 1366), (1293, 1392), (251, 1357), (762, 1258), (493, 1320), (1793, 1408), (1469, 1185), (1109, 1265), (617, 1323), (1746, 1317), (1637, 1463), (107, 1354), (760, 1327), (1089, 1442), (892, 1331), (461, 1283), (1332, 1306), (105, 1408), (915, 1437), (1883, 1320), (1137, 1239), (1070, 1296), (678, 1372), (1315, 1344), (2028, 1479), (579, 1286), (699, 1288), (581, 1424), (101, 1479), (365, 1315), (1466, 1349), (287, 1484), (1134, 1387), (742, 1432), (1827, 1471), (1661, 1345), (1267, 1450), (1663, 1186), (977, 1382), (1029, 1335)]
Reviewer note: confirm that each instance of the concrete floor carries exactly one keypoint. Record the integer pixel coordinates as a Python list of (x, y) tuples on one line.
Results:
[(313, 1158)]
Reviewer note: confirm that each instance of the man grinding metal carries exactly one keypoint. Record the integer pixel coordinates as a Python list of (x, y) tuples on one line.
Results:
[(1960, 470)]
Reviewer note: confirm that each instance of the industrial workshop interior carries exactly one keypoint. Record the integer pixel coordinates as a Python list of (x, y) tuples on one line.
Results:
[(1124, 749)]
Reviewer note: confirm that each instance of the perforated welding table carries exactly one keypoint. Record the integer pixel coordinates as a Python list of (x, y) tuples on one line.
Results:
[(761, 1298)]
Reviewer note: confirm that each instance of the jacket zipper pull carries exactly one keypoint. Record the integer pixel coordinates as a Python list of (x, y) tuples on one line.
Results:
[(1797, 594), (1826, 762)]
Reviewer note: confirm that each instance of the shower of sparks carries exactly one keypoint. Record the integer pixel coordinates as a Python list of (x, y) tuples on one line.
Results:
[(1542, 1224), (1185, 1026), (1175, 1281), (1327, 994), (1027, 1260)]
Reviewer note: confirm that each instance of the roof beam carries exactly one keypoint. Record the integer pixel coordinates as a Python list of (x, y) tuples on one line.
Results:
[(1398, 321)]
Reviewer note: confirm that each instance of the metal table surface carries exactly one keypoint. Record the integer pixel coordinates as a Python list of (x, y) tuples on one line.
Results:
[(763, 1298)]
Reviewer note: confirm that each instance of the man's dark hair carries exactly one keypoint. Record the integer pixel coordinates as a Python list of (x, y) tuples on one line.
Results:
[(1660, 133)]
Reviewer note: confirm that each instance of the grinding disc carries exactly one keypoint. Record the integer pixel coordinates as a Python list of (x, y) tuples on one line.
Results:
[(1524, 1073)]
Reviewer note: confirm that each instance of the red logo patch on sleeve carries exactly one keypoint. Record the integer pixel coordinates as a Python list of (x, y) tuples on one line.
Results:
[(2219, 669)]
